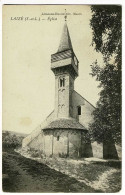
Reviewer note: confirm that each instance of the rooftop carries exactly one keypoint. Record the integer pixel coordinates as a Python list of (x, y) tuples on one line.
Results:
[(65, 124), (65, 42)]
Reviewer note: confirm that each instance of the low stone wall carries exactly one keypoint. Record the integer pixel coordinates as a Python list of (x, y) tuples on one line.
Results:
[(97, 150)]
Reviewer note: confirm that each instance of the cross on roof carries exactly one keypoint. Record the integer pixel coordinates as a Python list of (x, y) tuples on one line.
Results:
[(65, 16)]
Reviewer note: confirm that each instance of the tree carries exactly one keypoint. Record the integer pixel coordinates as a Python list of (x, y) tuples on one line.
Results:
[(106, 28)]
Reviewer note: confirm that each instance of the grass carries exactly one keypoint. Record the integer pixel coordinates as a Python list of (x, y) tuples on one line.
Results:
[(26, 175), (115, 182), (88, 172)]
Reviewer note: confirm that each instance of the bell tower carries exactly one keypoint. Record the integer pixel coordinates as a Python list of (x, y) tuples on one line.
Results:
[(64, 65)]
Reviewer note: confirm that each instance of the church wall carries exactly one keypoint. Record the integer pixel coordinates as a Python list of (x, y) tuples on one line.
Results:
[(30, 137), (34, 134), (63, 102), (86, 109), (63, 143), (56, 95), (37, 143), (71, 89), (75, 139), (76, 101), (60, 143), (62, 96), (55, 142), (47, 145), (86, 114)]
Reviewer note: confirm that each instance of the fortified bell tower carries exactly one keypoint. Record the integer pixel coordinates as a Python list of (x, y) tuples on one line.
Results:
[(64, 64)]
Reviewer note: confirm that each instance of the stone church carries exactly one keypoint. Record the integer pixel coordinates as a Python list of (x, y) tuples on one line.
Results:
[(64, 133)]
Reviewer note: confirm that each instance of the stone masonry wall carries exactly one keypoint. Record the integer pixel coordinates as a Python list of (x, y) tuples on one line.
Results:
[(86, 109), (62, 143)]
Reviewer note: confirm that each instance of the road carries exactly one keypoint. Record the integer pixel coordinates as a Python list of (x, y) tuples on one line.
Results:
[(25, 175)]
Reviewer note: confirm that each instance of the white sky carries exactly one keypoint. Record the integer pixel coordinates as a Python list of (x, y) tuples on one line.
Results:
[(28, 82)]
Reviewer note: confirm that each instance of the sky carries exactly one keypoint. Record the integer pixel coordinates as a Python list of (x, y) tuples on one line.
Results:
[(28, 82)]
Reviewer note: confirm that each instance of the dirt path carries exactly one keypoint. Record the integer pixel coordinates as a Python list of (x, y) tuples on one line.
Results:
[(103, 181), (25, 175)]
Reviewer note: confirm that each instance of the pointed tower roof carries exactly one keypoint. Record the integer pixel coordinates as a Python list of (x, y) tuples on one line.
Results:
[(65, 42)]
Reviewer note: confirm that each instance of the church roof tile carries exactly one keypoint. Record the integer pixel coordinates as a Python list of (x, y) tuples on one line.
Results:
[(65, 124)]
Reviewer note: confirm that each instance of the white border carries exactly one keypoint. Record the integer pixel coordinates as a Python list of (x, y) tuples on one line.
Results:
[(62, 2), (118, 2)]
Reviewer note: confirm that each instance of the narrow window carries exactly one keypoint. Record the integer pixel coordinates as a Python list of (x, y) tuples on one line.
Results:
[(58, 138), (62, 82), (79, 110)]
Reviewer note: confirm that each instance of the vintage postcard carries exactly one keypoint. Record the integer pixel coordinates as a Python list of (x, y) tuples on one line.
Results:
[(61, 98)]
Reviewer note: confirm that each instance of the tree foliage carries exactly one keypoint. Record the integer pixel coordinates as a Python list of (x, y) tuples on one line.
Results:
[(10, 140), (106, 28)]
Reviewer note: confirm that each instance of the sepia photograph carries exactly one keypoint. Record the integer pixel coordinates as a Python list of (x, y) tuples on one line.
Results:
[(61, 115)]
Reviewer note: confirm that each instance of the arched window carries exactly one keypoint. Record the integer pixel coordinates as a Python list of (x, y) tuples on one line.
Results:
[(79, 110), (62, 82)]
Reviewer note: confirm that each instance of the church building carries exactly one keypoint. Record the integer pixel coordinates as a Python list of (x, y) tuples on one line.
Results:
[(64, 133)]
